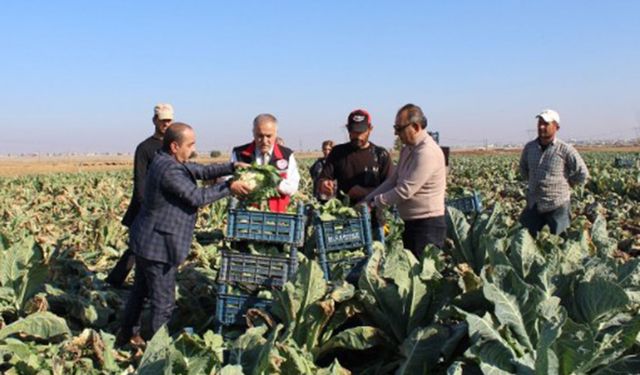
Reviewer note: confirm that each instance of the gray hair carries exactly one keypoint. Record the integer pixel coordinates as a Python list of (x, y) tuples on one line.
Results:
[(414, 115), (263, 118)]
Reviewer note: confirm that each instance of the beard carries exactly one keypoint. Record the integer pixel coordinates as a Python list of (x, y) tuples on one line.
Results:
[(358, 143)]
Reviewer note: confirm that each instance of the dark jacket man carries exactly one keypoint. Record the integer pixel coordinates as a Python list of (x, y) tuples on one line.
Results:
[(146, 150), (161, 233)]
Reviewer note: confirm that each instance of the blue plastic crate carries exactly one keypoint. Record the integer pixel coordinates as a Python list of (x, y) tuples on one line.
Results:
[(264, 226), (468, 204), (342, 234), (231, 308), (620, 162), (435, 136), (269, 271)]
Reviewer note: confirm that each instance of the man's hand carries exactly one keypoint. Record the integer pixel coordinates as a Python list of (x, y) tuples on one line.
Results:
[(238, 165), (327, 187), (357, 193), (239, 188)]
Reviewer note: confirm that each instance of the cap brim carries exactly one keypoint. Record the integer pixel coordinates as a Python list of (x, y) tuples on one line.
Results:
[(165, 116), (545, 118), (360, 127)]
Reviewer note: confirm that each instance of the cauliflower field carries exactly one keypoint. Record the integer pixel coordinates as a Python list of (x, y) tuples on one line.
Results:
[(494, 301)]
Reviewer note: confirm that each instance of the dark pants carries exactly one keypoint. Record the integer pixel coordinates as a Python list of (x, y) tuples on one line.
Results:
[(421, 232), (119, 273), (558, 220), (156, 281)]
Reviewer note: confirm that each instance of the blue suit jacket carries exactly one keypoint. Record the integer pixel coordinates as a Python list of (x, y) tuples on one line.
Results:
[(163, 229)]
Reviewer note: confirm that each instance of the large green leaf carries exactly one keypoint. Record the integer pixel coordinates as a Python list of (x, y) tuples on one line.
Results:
[(15, 260), (157, 355), (307, 287), (408, 277), (625, 365), (245, 349), (192, 355), (553, 317), (600, 236), (22, 269), (458, 229), (343, 312), (268, 361), (381, 298), (296, 360), (421, 350), (42, 325), (523, 253), (515, 304), (575, 347), (488, 344), (357, 338), (597, 299), (394, 286)]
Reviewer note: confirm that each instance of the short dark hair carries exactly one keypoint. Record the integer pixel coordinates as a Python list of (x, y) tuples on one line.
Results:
[(174, 133), (414, 114), (264, 117), (327, 143)]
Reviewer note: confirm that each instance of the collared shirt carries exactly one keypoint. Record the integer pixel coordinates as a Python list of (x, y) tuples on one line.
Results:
[(418, 184), (288, 185), (551, 172)]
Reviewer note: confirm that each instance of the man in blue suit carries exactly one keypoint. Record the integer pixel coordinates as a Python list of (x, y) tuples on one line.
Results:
[(161, 234)]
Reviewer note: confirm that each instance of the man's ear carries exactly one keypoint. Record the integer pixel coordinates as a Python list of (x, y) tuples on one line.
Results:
[(173, 147)]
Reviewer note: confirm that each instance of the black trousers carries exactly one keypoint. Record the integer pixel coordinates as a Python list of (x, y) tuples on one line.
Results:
[(421, 232), (121, 270), (157, 282)]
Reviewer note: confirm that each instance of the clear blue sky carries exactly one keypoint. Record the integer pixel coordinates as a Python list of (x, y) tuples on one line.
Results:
[(84, 76)]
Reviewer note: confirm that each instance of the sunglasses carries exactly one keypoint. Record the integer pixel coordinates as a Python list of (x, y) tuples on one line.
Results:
[(399, 128)]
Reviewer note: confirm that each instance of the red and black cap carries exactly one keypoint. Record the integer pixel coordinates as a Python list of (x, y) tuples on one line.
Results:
[(359, 121)]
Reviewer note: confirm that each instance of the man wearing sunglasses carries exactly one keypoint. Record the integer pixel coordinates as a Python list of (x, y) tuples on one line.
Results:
[(417, 185), (357, 167)]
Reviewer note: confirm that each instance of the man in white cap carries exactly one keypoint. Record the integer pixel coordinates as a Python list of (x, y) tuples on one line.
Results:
[(552, 167), (162, 118)]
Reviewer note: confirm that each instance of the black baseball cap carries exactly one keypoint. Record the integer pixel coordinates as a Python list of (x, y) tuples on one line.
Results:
[(359, 121)]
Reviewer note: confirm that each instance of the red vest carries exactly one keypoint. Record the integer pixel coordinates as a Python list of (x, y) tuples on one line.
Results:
[(279, 159)]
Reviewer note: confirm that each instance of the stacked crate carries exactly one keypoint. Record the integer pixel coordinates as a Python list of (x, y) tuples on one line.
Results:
[(259, 271), (336, 236)]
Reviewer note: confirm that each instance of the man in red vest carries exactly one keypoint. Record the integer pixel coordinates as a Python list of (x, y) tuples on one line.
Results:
[(265, 150)]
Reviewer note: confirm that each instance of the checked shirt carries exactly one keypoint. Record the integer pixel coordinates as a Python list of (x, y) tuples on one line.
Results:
[(551, 173)]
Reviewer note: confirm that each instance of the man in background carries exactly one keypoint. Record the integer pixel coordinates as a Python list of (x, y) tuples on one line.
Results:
[(551, 167), (318, 165), (162, 118), (265, 150)]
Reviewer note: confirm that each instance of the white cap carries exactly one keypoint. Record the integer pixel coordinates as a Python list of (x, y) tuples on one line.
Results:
[(549, 115), (163, 111)]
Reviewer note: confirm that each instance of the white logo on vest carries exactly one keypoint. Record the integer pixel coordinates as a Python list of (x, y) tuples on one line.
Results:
[(282, 164)]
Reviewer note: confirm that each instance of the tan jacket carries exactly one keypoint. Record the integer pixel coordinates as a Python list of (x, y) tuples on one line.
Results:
[(418, 184)]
